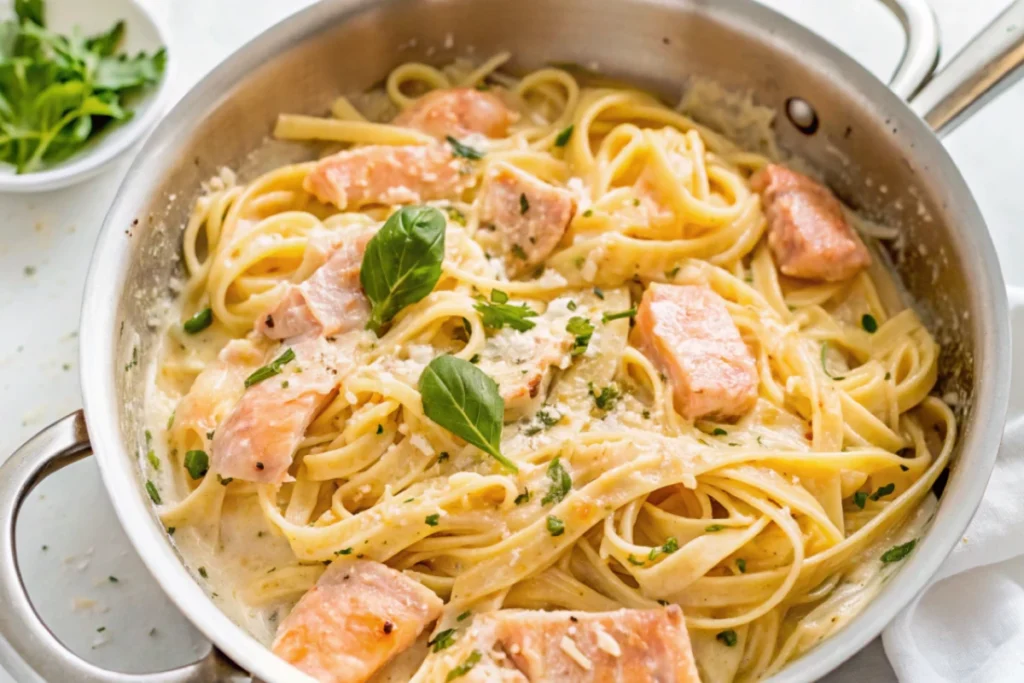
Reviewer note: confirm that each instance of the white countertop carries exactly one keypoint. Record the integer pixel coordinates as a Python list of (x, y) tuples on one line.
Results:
[(70, 542)]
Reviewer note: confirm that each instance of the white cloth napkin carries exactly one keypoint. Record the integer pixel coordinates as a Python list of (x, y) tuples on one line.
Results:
[(967, 626)]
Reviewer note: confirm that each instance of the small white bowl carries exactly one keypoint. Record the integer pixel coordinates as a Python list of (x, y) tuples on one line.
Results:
[(142, 33)]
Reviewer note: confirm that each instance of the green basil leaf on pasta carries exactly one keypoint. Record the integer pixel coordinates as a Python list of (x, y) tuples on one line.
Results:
[(461, 398), (402, 262)]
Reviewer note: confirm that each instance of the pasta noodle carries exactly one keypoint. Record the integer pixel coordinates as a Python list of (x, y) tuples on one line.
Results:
[(778, 522)]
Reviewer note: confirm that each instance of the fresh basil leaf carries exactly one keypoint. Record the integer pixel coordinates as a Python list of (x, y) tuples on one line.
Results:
[(461, 398), (106, 44), (402, 262), (30, 10), (497, 315), (561, 483)]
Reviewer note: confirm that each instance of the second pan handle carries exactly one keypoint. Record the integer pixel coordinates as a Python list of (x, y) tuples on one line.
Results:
[(61, 444), (986, 66)]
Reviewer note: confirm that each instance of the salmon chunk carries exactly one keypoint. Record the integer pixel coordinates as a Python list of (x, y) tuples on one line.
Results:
[(625, 646), (389, 175), (458, 112), (330, 301), (530, 215), (687, 331), (258, 439), (358, 616), (808, 234)]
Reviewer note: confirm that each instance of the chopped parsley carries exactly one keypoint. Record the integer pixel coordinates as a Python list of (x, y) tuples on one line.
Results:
[(741, 564), (197, 463), (380, 429), (718, 431), (671, 274), (634, 561), (711, 528), (496, 313), (199, 322), (433, 520), (563, 137), (464, 151), (728, 637), (343, 551), (113, 579), (607, 397), (571, 305), (584, 330), (860, 498), (518, 252), (154, 461), (153, 493), (475, 359), (883, 491), (670, 546), (523, 497), (202, 573), (608, 317), (467, 665), (556, 527), (898, 552), (561, 483), (588, 213), (443, 640), (465, 615), (455, 216), (524, 203), (268, 371), (869, 323), (599, 293), (444, 456)]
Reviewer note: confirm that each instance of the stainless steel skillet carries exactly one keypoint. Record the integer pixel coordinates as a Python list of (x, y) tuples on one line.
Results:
[(873, 148)]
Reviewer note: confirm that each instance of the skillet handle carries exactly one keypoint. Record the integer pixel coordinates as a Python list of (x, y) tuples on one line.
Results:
[(62, 443), (986, 66), (921, 54)]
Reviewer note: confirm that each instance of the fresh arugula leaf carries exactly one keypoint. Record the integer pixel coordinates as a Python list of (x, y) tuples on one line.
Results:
[(402, 262), (497, 315), (561, 483), (460, 397)]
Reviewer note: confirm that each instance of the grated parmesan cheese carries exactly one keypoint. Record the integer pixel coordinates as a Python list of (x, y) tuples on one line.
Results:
[(568, 646)]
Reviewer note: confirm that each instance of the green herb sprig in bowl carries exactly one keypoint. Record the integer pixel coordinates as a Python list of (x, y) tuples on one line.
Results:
[(59, 92)]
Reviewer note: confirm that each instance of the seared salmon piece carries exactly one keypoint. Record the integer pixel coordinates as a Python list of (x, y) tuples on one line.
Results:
[(530, 215), (257, 440), (458, 112), (628, 645), (329, 302), (687, 331), (358, 616), (807, 231), (388, 175)]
